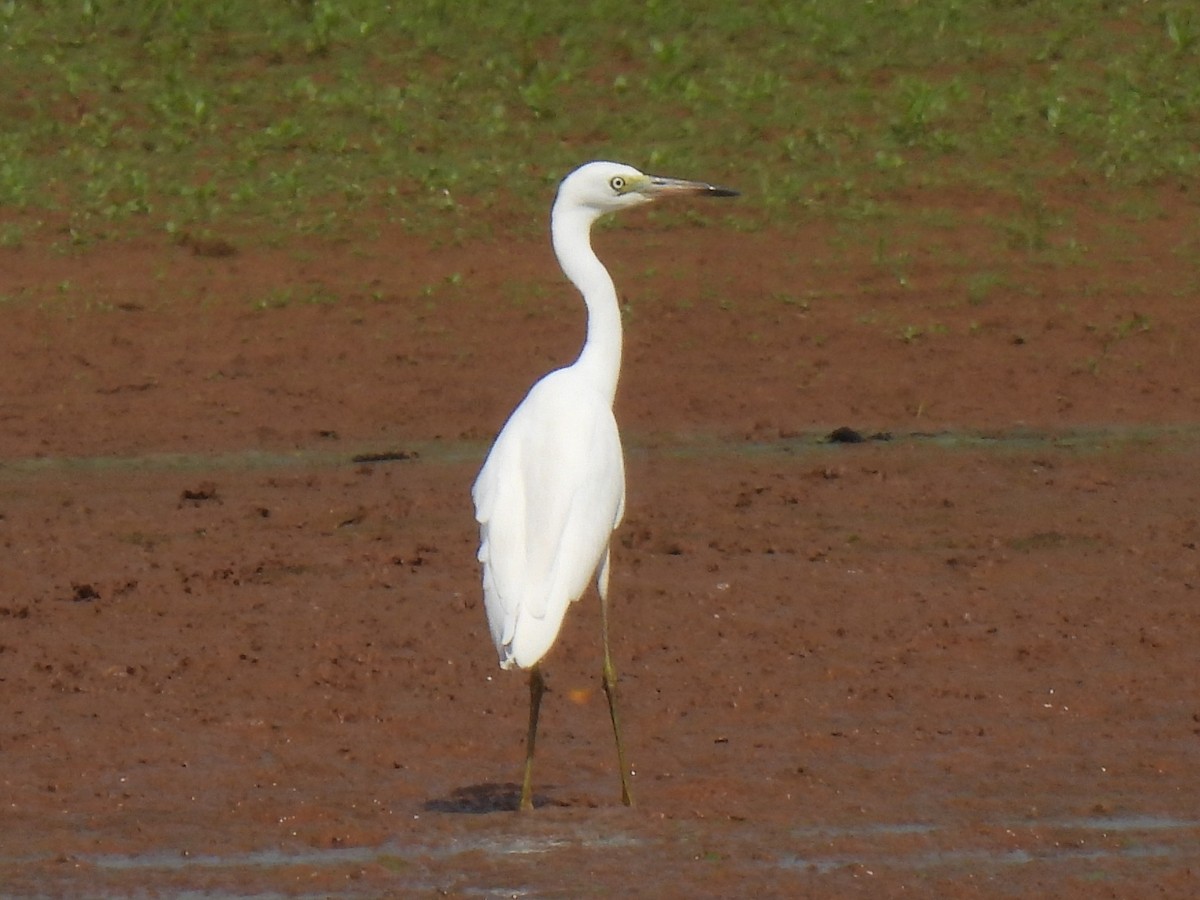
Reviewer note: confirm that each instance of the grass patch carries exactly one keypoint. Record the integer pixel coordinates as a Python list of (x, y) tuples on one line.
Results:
[(322, 118)]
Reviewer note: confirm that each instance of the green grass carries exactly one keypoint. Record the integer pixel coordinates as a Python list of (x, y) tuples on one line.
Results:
[(322, 117)]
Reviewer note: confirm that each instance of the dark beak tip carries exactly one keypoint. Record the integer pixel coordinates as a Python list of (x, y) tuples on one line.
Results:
[(714, 191)]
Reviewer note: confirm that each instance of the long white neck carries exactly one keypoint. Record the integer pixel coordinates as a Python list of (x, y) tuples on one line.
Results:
[(600, 358)]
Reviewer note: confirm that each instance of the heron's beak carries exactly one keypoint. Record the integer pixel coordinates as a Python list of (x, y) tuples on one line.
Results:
[(657, 186)]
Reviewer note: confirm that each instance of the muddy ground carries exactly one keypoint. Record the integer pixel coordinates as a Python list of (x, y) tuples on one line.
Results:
[(957, 660)]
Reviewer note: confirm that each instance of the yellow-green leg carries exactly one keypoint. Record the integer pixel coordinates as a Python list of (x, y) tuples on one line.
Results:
[(610, 684), (537, 687)]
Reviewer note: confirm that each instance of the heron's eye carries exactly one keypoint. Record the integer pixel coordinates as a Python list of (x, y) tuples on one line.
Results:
[(617, 183)]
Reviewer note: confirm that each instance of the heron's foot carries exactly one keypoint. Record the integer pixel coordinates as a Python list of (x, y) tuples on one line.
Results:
[(626, 797), (526, 799)]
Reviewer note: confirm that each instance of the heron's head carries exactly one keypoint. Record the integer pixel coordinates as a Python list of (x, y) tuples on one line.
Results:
[(602, 187)]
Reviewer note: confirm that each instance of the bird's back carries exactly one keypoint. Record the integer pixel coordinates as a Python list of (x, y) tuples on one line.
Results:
[(547, 500)]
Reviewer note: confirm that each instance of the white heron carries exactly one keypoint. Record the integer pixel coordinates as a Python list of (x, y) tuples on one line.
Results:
[(552, 488)]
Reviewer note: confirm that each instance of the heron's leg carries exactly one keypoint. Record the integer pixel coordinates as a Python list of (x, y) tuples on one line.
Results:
[(537, 687), (610, 683)]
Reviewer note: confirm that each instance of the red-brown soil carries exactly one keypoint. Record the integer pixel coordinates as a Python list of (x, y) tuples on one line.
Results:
[(960, 662)]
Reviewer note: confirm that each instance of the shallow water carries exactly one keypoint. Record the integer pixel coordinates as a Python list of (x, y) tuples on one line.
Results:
[(901, 849)]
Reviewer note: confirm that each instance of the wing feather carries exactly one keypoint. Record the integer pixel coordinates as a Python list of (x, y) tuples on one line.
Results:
[(547, 500)]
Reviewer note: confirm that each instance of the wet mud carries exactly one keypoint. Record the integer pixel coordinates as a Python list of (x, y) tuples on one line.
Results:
[(243, 650)]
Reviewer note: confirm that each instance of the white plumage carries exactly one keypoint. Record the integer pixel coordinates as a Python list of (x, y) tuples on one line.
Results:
[(548, 499)]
